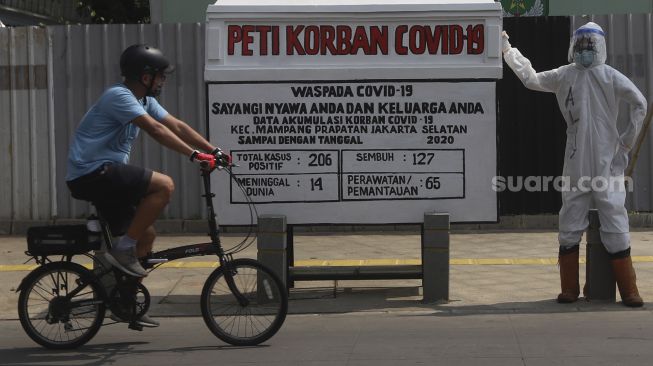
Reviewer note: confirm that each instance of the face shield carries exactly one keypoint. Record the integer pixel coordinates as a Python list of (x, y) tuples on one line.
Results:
[(587, 46)]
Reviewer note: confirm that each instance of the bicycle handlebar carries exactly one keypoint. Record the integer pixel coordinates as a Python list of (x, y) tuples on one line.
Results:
[(223, 159), (210, 162)]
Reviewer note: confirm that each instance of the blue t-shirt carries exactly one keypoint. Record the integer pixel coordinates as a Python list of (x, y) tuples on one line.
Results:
[(106, 133)]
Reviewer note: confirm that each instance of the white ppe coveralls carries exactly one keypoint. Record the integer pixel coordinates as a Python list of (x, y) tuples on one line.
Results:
[(588, 93)]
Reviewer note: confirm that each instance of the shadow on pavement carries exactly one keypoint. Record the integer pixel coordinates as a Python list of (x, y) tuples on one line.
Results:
[(96, 354), (409, 299), (528, 307), (335, 300)]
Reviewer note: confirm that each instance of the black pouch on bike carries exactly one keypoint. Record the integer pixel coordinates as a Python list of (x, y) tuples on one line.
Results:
[(61, 240)]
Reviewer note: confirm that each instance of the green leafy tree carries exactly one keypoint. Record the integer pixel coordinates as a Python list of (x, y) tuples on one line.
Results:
[(115, 11)]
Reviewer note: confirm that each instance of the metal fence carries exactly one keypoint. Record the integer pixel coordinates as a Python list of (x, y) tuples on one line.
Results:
[(50, 76), (86, 61), (27, 169)]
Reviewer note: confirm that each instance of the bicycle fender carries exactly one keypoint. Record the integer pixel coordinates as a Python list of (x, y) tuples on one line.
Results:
[(27, 279), (37, 271), (20, 287)]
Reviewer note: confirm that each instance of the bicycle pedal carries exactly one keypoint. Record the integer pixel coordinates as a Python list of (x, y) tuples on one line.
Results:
[(135, 326)]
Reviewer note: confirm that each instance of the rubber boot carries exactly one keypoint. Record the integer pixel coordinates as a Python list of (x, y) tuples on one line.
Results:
[(624, 273), (568, 261)]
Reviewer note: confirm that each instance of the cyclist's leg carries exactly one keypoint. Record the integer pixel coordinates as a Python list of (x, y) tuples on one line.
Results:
[(146, 242), (126, 186), (149, 208), (116, 190), (143, 248)]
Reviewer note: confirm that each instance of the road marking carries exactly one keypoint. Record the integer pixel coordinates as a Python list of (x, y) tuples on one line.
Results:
[(360, 262)]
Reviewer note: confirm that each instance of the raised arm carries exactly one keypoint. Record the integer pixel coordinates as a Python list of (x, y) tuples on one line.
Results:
[(546, 81)]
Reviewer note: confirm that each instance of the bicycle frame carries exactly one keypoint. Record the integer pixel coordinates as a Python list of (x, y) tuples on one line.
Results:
[(200, 249), (185, 251)]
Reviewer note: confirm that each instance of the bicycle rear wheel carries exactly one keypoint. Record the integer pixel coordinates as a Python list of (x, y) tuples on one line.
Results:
[(50, 316), (252, 321)]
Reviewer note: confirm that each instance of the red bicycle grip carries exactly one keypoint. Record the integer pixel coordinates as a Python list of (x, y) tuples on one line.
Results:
[(204, 157)]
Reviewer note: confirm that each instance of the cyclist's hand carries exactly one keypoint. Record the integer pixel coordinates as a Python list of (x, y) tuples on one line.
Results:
[(205, 160), (222, 158)]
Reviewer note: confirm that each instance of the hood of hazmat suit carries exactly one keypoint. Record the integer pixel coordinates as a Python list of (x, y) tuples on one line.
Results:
[(587, 46)]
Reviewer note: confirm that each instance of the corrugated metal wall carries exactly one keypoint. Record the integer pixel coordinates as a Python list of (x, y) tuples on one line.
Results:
[(26, 129), (86, 61), (41, 103), (49, 78)]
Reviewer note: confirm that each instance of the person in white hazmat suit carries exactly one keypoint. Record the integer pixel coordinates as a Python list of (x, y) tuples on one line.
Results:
[(596, 154)]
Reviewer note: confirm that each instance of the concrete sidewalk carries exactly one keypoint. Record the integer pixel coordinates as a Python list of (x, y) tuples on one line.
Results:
[(491, 272)]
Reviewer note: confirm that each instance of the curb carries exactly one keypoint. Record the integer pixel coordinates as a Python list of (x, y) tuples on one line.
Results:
[(178, 226)]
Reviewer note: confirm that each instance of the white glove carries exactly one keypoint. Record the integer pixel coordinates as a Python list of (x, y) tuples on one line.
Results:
[(505, 45), (619, 161)]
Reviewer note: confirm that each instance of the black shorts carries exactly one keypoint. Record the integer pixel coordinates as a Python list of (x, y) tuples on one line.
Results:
[(115, 189)]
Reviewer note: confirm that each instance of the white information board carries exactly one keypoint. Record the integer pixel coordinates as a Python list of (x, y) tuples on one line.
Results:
[(356, 152), (354, 111)]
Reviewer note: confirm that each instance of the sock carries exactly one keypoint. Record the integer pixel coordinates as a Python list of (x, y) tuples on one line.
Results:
[(564, 250), (125, 243)]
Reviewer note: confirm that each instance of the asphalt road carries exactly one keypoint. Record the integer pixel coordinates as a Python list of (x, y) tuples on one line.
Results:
[(617, 336)]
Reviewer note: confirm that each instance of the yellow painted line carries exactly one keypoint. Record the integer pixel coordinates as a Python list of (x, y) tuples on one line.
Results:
[(189, 265), (504, 261), (357, 262), (17, 267), (27, 267)]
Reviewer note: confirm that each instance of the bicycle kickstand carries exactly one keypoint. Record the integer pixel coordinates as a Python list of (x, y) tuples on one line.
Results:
[(130, 294), (133, 324)]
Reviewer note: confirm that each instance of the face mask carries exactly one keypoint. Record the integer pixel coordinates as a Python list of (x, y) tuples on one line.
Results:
[(585, 58)]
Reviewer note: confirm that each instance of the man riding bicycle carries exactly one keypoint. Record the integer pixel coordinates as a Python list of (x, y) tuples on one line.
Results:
[(129, 198)]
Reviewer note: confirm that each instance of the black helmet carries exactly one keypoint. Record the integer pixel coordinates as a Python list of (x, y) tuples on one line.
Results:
[(139, 59)]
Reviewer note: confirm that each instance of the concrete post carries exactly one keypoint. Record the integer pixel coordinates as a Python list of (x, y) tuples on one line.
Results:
[(272, 243), (435, 257), (599, 277)]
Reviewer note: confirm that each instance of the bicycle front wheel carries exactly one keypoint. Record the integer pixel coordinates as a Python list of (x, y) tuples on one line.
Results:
[(249, 319), (60, 306)]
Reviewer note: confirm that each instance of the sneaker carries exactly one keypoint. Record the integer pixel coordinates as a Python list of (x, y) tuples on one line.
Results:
[(144, 321), (148, 322), (126, 261)]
